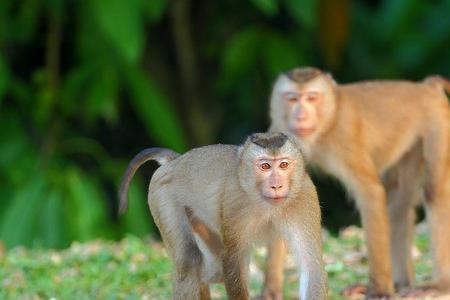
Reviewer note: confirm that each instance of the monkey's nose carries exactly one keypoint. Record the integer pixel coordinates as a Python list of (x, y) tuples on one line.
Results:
[(276, 187), (301, 115)]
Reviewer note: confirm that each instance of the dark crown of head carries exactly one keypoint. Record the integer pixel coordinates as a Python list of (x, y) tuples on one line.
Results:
[(269, 140), (301, 75)]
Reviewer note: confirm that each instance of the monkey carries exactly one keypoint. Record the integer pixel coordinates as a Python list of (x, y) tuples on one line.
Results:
[(388, 143), (212, 203)]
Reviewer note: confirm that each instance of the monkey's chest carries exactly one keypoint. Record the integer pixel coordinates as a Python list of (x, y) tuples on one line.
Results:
[(329, 162)]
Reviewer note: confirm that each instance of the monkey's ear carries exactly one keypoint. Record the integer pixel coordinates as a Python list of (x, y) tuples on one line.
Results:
[(282, 75), (330, 77), (292, 139), (296, 142), (241, 149)]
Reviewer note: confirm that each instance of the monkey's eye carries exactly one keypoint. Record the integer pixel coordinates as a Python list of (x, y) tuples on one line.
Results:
[(284, 165), (264, 166), (312, 97), (291, 97)]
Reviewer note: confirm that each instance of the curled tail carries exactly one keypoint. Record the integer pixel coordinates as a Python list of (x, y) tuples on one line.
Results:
[(438, 81), (161, 155)]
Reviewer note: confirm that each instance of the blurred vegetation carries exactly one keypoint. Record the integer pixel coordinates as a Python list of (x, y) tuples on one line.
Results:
[(140, 269), (85, 85)]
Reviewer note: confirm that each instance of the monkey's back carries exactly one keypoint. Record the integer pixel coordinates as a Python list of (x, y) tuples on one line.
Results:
[(197, 179), (393, 99), (391, 113)]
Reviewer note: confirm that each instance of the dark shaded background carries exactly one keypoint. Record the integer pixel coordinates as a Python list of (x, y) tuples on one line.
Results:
[(85, 85)]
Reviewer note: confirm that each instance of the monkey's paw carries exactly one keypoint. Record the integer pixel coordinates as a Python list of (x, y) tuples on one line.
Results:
[(355, 291), (428, 290), (271, 294), (360, 291)]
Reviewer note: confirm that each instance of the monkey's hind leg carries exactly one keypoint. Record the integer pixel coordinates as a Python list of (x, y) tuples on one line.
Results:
[(437, 192), (438, 216), (401, 217), (182, 248), (403, 185), (186, 276)]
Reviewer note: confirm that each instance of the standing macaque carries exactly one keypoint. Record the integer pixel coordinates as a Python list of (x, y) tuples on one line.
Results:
[(212, 203), (388, 143)]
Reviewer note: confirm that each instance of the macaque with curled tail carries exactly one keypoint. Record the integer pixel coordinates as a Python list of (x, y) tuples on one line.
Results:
[(212, 203), (388, 142)]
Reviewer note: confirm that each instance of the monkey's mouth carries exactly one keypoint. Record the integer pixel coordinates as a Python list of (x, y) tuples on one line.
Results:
[(305, 131), (302, 131), (276, 200)]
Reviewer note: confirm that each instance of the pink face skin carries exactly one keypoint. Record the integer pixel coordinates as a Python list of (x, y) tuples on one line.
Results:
[(303, 111), (273, 173)]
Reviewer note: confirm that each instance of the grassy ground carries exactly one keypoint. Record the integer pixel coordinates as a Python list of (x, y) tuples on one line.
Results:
[(137, 269)]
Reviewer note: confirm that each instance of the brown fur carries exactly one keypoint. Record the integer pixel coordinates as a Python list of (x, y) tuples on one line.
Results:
[(382, 139)]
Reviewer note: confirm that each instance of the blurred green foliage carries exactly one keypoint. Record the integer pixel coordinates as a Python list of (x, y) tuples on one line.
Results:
[(140, 269), (84, 85)]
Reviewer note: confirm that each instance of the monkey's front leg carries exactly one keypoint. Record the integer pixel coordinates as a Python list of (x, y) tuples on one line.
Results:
[(234, 262), (303, 236), (371, 201), (273, 283)]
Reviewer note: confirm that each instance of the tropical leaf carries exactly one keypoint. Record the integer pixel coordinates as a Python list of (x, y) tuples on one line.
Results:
[(18, 225), (281, 55), (304, 11), (26, 19), (17, 154), (155, 111), (241, 54), (86, 205), (137, 218), (268, 7), (101, 97), (56, 6), (398, 15), (74, 88), (52, 225), (121, 22), (156, 9), (4, 78)]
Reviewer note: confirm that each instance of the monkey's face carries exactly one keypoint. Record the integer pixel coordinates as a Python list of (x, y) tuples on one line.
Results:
[(303, 111), (302, 108), (271, 166), (273, 177)]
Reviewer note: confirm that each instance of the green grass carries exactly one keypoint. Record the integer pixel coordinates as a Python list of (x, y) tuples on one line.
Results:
[(140, 269)]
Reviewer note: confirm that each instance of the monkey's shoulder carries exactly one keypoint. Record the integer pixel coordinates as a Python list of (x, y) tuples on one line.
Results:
[(211, 160)]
